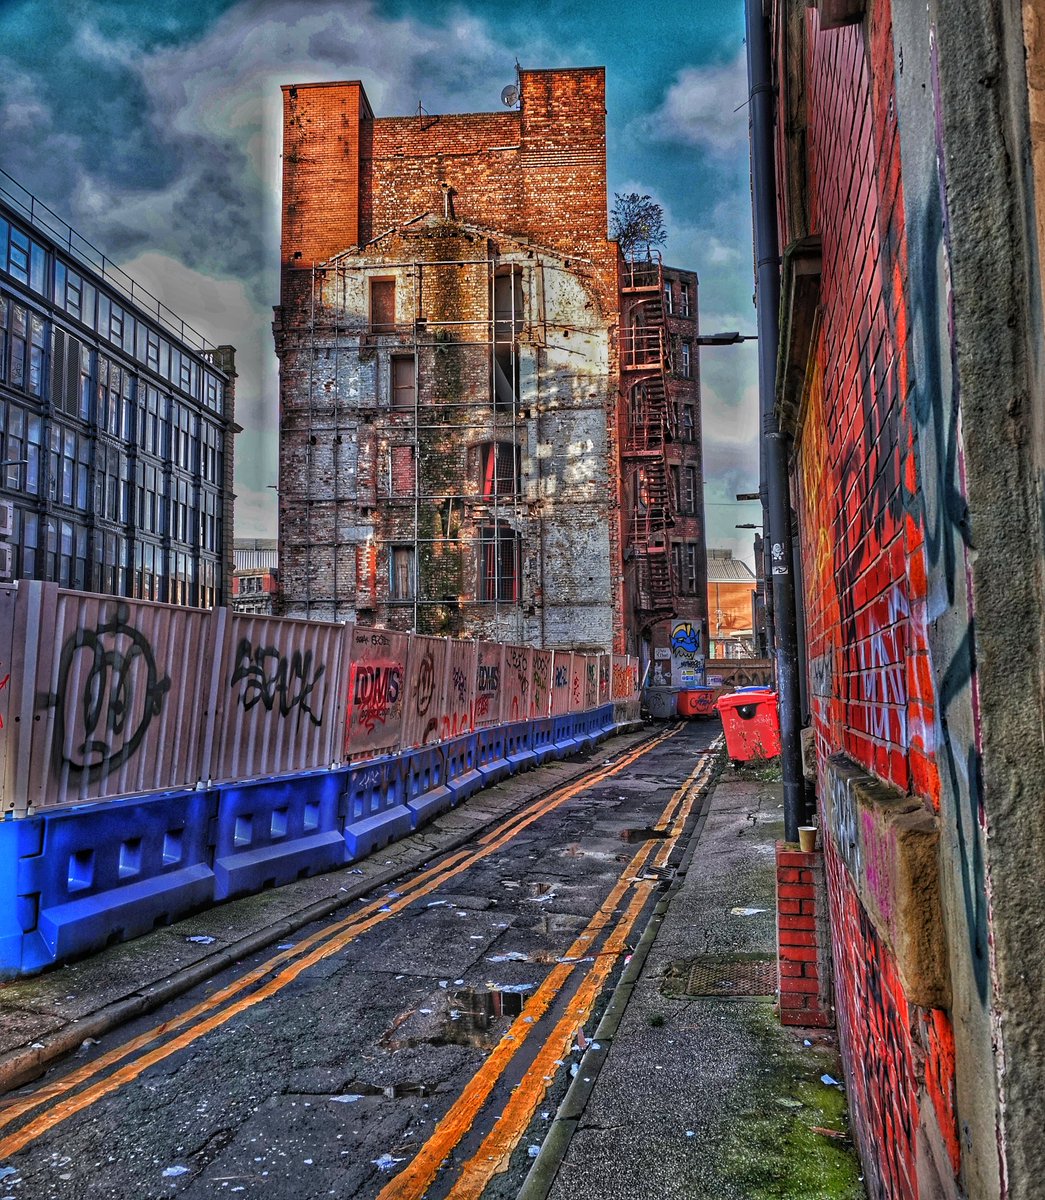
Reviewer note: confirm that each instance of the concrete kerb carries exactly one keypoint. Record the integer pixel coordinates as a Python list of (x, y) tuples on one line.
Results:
[(541, 1177), (25, 1063)]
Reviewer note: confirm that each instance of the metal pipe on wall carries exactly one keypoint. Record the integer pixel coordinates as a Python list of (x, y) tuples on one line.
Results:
[(774, 443)]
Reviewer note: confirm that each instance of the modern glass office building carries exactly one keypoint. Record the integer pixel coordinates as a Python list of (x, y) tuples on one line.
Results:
[(116, 424)]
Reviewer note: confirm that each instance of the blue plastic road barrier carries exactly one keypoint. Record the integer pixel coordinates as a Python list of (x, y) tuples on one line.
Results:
[(583, 733), (563, 735), (543, 742), (372, 833), (75, 879), (605, 722), (273, 831), (462, 776), (518, 746), (375, 813), (427, 794), (490, 758)]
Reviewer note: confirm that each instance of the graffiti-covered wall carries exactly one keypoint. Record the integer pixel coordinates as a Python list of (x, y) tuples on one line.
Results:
[(906, 385)]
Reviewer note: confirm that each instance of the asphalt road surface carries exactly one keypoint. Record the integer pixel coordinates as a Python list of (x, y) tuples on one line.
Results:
[(416, 1045)]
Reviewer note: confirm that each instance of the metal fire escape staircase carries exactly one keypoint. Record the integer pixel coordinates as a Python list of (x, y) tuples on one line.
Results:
[(649, 428)]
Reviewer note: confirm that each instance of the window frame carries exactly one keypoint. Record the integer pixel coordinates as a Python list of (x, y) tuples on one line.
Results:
[(499, 546), (397, 392)]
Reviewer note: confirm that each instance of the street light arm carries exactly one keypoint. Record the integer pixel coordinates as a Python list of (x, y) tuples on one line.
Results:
[(724, 339)]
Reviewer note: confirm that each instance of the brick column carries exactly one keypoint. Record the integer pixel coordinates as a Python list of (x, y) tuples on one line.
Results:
[(798, 953)]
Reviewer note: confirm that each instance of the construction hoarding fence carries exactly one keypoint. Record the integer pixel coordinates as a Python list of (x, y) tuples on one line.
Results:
[(154, 759)]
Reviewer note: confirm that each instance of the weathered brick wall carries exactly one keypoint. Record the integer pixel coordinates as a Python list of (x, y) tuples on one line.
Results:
[(907, 144), (526, 188), (321, 150)]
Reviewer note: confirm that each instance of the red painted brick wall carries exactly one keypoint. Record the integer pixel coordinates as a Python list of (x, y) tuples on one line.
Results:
[(872, 693)]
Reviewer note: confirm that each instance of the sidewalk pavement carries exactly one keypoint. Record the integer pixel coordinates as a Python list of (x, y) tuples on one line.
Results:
[(686, 1094)]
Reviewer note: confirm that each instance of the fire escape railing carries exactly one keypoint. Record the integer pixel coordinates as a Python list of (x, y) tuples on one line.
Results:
[(649, 427)]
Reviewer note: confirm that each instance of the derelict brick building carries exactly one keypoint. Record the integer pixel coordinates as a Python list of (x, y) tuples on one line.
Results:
[(489, 422)]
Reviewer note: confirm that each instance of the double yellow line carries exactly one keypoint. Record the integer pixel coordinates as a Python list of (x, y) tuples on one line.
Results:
[(75, 1092), (492, 1155)]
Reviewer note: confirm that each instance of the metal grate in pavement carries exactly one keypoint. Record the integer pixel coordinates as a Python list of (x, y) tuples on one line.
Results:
[(720, 977)]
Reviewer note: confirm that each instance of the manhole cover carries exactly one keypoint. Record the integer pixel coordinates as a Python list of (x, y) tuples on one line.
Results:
[(720, 977)]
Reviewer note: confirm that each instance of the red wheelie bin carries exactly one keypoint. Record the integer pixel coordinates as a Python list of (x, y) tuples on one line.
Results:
[(751, 724), (696, 702)]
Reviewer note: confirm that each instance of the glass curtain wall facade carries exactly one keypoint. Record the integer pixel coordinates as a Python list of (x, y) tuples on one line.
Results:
[(116, 426)]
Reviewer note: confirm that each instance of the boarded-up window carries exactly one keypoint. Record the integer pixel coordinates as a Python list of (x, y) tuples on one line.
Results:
[(382, 305), (403, 381), (402, 580)]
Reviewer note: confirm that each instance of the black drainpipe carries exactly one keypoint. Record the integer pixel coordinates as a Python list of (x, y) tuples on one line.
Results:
[(774, 443)]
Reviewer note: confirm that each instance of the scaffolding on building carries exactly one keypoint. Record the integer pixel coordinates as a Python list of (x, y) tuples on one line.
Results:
[(467, 508)]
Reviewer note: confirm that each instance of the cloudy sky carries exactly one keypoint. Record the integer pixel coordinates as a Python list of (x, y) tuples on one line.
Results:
[(153, 129)]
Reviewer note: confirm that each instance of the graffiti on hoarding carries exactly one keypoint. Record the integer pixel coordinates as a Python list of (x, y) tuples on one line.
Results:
[(455, 724), (425, 684), (515, 659), (541, 663), (459, 684), (276, 681), (103, 713), (3, 684), (377, 694), (562, 677), (622, 682), (487, 679)]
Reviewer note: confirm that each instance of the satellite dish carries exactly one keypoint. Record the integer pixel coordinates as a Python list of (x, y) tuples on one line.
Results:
[(510, 95)]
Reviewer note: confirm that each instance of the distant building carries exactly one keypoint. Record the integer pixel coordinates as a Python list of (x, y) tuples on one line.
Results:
[(490, 422), (255, 579), (732, 588), (116, 424)]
